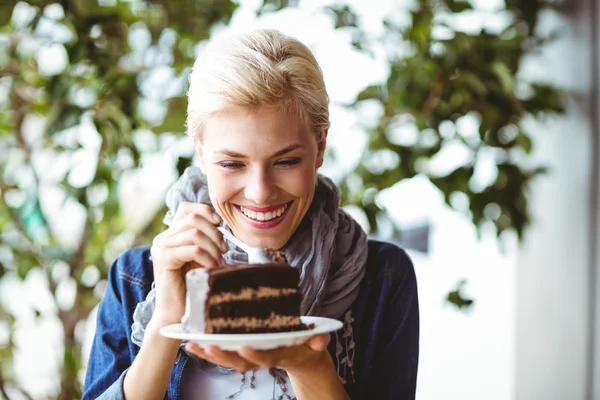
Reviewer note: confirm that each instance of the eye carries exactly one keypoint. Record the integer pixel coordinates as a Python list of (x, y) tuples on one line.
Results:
[(288, 162), (231, 164)]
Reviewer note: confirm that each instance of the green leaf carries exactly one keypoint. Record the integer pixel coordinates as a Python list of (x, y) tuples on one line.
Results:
[(525, 143), (174, 121), (64, 118), (506, 78), (458, 6), (472, 82), (25, 263), (456, 181), (545, 99), (371, 92), (6, 10), (457, 298)]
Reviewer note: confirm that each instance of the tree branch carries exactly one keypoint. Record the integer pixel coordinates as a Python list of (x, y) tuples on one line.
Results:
[(2, 389), (435, 93)]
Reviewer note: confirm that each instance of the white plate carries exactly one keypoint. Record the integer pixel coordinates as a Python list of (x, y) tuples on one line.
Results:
[(256, 341)]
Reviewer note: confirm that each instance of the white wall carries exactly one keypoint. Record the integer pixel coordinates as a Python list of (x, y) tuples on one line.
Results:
[(553, 303), (463, 355), (595, 207)]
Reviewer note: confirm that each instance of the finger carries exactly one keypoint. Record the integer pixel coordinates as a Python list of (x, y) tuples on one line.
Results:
[(318, 342), (228, 358), (205, 227), (187, 208), (195, 350), (201, 353), (194, 236), (158, 240), (268, 358), (177, 257)]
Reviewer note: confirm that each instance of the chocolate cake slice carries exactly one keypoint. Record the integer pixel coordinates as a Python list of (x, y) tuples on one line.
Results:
[(245, 298)]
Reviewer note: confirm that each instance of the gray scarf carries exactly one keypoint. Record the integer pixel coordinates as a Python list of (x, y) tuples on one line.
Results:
[(329, 247)]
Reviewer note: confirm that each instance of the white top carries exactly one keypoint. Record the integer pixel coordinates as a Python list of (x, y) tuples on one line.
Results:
[(213, 384)]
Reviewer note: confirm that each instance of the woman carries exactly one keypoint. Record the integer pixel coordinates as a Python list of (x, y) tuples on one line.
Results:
[(258, 115)]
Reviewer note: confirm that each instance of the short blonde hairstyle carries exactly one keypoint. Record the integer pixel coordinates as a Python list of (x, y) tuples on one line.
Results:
[(263, 68)]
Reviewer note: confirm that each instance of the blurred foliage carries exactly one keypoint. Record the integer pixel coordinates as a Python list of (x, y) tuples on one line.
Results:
[(54, 120), (57, 119), (446, 78)]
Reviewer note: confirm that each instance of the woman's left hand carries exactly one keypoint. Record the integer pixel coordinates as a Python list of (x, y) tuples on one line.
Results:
[(294, 358)]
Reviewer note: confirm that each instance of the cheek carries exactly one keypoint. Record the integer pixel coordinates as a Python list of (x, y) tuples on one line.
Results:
[(220, 188), (300, 184), (308, 180)]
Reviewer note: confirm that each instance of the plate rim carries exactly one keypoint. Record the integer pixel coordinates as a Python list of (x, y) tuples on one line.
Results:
[(167, 331)]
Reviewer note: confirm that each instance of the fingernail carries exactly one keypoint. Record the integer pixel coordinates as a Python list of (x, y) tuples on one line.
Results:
[(216, 218), (224, 247)]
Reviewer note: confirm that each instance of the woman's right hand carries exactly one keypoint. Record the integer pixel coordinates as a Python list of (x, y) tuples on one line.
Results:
[(192, 241)]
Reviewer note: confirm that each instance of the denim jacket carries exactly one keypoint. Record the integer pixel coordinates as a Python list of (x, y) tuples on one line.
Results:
[(383, 321)]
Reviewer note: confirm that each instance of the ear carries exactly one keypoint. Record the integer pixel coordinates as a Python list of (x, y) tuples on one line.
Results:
[(200, 156), (321, 145)]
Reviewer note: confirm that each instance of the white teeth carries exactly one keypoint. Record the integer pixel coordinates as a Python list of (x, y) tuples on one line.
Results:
[(259, 216)]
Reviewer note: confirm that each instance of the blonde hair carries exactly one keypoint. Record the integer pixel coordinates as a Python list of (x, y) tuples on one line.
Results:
[(263, 68)]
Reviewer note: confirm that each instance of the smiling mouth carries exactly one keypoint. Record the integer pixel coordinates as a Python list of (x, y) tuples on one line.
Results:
[(273, 214)]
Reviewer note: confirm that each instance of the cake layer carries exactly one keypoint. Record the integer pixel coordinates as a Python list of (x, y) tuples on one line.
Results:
[(237, 277), (258, 308), (243, 329), (250, 293), (274, 323)]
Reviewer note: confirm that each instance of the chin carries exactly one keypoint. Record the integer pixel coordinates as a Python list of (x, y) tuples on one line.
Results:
[(257, 241)]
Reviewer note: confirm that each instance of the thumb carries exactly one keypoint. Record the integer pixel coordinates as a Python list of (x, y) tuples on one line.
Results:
[(319, 342)]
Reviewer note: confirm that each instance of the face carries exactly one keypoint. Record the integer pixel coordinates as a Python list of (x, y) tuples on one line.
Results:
[(261, 170)]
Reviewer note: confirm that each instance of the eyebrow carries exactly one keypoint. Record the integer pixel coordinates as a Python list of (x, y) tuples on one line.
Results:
[(285, 150)]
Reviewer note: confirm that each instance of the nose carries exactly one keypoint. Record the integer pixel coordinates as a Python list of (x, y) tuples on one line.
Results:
[(260, 187)]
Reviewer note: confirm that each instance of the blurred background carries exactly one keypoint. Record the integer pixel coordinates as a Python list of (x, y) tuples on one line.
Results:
[(465, 131)]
